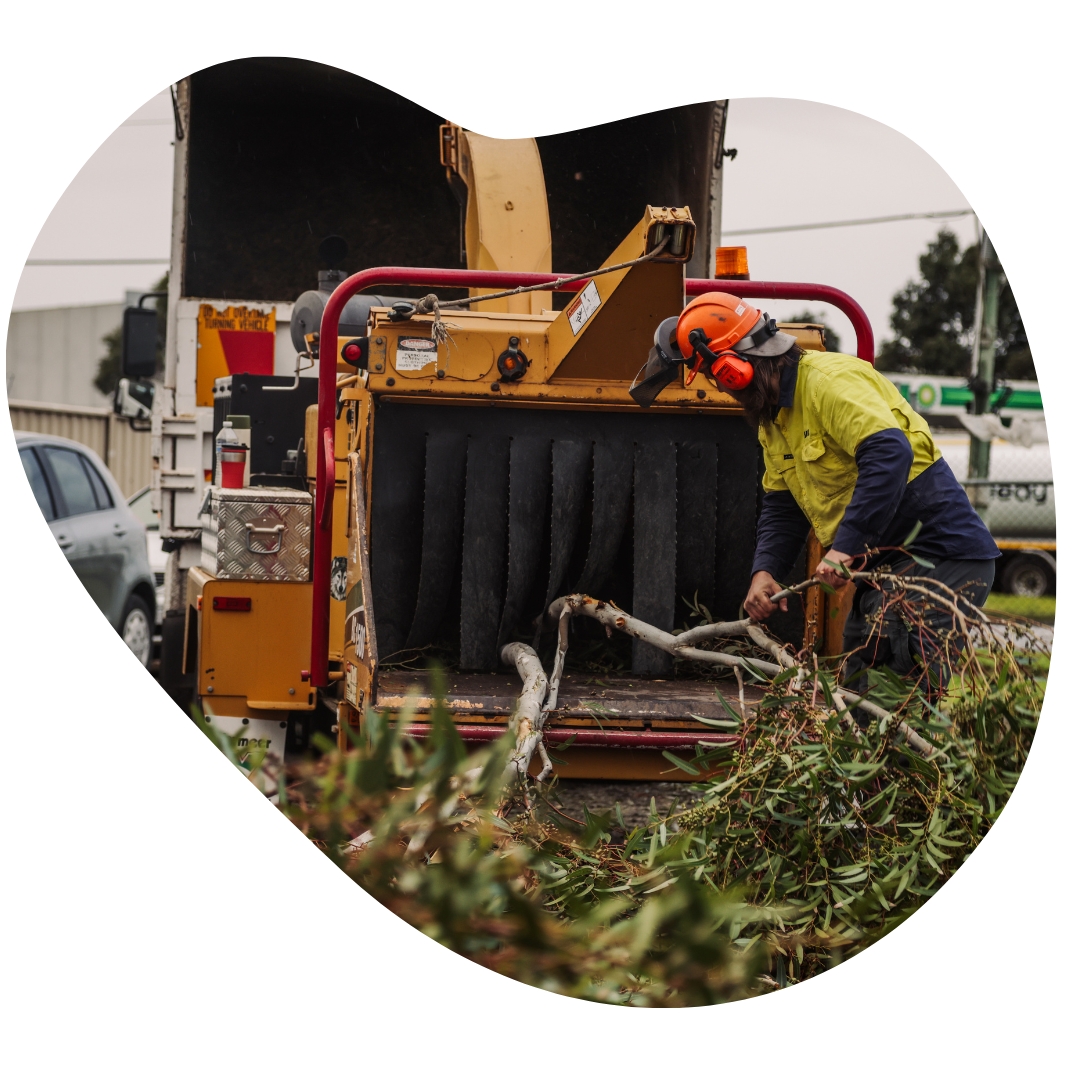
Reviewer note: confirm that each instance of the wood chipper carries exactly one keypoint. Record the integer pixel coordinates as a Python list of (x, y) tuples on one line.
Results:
[(469, 453), (493, 460)]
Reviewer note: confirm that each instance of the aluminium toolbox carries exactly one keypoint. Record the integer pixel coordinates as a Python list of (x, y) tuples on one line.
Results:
[(257, 534)]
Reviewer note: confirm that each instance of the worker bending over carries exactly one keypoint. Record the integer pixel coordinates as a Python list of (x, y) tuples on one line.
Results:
[(846, 455)]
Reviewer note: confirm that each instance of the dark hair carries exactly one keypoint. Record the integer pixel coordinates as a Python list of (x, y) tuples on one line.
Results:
[(759, 399)]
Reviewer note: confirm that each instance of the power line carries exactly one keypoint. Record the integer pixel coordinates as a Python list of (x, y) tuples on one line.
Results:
[(727, 232), (97, 262), (851, 221)]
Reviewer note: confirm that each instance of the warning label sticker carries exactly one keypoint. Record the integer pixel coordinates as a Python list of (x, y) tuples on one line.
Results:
[(414, 354), (352, 695), (583, 308)]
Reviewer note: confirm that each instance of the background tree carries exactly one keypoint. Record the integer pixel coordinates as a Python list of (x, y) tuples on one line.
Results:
[(933, 318), (108, 372)]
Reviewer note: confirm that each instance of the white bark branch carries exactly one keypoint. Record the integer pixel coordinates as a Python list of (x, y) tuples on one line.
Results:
[(909, 735), (778, 652), (712, 630), (607, 614), (529, 714)]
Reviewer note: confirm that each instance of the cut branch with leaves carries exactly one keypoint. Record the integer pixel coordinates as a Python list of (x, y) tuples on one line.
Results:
[(812, 832)]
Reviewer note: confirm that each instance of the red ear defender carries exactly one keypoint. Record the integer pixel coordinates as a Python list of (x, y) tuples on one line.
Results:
[(728, 369), (731, 371)]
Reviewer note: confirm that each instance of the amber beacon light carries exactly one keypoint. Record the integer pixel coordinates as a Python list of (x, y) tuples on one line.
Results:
[(731, 263)]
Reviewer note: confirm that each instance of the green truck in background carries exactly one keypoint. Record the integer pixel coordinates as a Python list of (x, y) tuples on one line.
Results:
[(1019, 492)]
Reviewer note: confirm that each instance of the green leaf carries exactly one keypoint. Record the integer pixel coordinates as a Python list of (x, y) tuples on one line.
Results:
[(684, 765), (840, 568), (729, 707), (736, 723), (911, 535)]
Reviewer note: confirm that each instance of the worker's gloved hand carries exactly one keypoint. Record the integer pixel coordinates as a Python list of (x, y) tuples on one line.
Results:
[(757, 603), (829, 574)]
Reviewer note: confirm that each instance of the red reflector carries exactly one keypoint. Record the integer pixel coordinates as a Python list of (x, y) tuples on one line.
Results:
[(232, 603), (352, 352)]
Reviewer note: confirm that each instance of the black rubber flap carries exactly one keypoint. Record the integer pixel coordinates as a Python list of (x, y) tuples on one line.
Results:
[(695, 565), (738, 487), (613, 477), (655, 507), (570, 461), (397, 523), (444, 506), (511, 516), (484, 550), (530, 483)]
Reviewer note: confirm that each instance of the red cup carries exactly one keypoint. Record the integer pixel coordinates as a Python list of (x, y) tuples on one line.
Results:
[(233, 460)]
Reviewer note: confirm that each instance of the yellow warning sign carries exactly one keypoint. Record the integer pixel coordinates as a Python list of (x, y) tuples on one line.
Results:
[(234, 341)]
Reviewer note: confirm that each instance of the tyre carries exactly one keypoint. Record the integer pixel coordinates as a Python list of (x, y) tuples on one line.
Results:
[(1028, 575), (137, 629)]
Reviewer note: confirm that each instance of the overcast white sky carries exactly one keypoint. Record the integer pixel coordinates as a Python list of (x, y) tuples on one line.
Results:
[(797, 162)]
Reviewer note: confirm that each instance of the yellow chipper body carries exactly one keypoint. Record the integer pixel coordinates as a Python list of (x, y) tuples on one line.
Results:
[(492, 464), (473, 500)]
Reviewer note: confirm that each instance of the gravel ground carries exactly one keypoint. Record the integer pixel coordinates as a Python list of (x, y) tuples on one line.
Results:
[(632, 796)]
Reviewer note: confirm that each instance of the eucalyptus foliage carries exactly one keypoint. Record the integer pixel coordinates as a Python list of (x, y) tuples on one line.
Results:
[(810, 837)]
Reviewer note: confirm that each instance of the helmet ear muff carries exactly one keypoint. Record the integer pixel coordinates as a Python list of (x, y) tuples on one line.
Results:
[(731, 371), (727, 368)]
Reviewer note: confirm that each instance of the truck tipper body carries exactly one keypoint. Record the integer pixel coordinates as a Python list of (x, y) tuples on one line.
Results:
[(446, 482)]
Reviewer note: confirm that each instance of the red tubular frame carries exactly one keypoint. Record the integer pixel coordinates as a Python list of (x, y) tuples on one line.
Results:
[(794, 290), (628, 740), (477, 279)]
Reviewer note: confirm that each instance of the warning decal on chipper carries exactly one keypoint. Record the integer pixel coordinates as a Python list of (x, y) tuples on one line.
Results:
[(413, 354), (355, 624), (582, 309)]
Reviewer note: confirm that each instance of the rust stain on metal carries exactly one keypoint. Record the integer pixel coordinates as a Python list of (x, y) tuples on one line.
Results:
[(397, 701)]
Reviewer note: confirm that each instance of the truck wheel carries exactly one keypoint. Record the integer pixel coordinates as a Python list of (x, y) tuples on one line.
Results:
[(1027, 576), (137, 629)]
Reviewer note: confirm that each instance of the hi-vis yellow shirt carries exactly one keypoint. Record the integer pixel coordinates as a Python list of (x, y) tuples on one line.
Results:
[(810, 448)]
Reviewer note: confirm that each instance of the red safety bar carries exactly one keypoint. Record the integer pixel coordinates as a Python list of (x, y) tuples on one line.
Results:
[(629, 740), (475, 279), (795, 290)]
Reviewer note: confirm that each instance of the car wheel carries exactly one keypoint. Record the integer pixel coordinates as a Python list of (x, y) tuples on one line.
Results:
[(137, 629), (1025, 576)]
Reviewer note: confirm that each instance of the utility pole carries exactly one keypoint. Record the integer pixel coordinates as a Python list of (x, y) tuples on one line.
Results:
[(983, 352)]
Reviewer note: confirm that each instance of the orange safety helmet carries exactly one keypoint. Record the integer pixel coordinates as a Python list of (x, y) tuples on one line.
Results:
[(708, 328)]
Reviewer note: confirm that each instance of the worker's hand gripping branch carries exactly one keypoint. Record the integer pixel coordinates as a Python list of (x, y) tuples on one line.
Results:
[(767, 594)]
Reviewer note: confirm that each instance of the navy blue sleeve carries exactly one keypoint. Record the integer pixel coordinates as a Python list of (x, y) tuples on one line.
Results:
[(781, 529), (884, 461)]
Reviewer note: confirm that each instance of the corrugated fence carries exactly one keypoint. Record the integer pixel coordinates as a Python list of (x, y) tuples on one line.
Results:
[(126, 452)]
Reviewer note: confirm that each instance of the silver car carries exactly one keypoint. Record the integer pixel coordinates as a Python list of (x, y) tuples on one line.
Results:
[(141, 508), (102, 538)]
